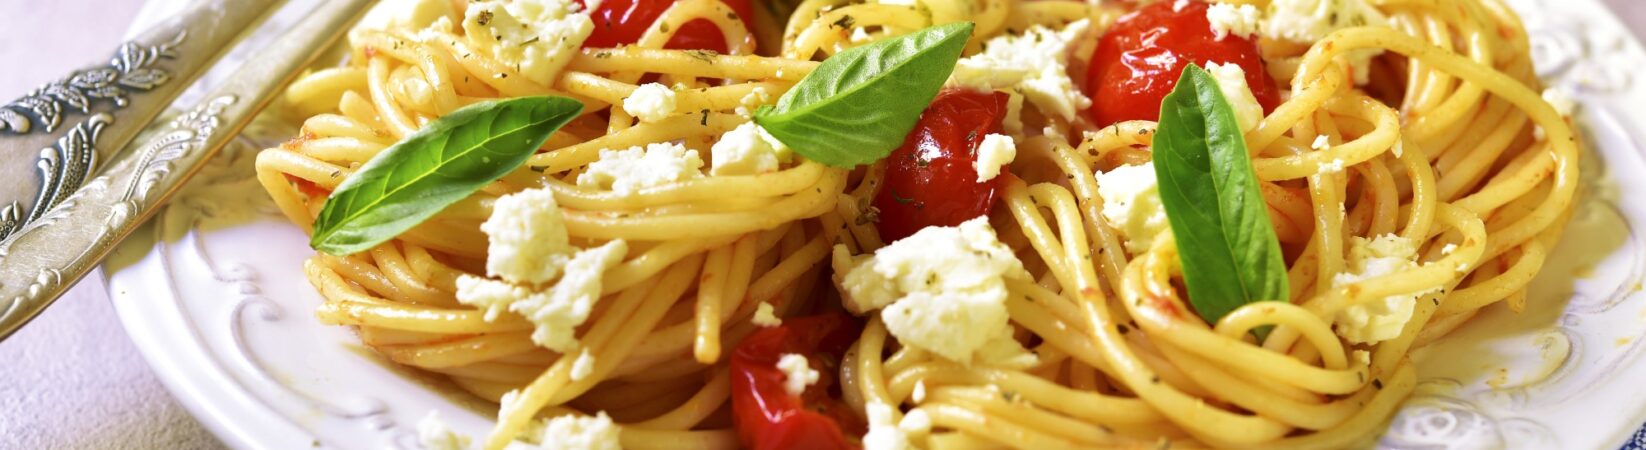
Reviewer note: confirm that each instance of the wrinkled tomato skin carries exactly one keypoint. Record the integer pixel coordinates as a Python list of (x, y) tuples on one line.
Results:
[(1139, 59), (931, 180), (766, 416), (621, 22)]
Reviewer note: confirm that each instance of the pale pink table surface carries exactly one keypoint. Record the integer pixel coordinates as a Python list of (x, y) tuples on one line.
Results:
[(72, 380)]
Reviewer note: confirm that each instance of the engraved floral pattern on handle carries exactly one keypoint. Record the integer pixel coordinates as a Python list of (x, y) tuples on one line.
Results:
[(131, 68)]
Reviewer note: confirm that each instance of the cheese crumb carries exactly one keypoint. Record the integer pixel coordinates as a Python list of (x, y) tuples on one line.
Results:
[(916, 423), (748, 150), (1229, 19), (919, 394), (764, 317), (797, 373), (401, 15), (1377, 320), (1321, 142), (1309, 21), (582, 433), (636, 168), (1231, 79), (537, 38), (1448, 249), (1035, 63), (884, 433), (994, 152), (556, 312), (526, 238), (650, 102), (1131, 204), (583, 366), (434, 434)]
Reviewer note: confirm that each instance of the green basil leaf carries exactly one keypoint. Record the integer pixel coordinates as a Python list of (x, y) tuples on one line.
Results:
[(858, 105), (1226, 244), (445, 161)]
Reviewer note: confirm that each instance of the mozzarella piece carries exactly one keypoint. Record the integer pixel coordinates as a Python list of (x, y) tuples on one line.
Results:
[(556, 312), (941, 290), (764, 317), (1231, 79), (1230, 19), (581, 433), (1035, 63), (748, 150), (1131, 204), (630, 170), (583, 366), (401, 15), (435, 435), (535, 37), (797, 373), (1377, 320), (994, 152), (526, 238), (1309, 21), (650, 102)]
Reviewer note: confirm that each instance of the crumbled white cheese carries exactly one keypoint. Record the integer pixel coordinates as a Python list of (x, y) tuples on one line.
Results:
[(1230, 19), (919, 393), (942, 290), (1035, 63), (650, 102), (1309, 21), (581, 433), (1131, 204), (764, 317), (583, 366), (797, 373), (635, 168), (1448, 249), (556, 312), (1321, 142), (526, 238), (407, 15), (1231, 79), (756, 97), (435, 435), (748, 150), (1377, 320), (994, 152), (1178, 5), (884, 433), (535, 37), (916, 423)]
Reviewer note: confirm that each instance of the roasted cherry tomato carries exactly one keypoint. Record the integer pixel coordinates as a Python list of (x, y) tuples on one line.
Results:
[(1140, 58), (766, 415), (621, 22), (930, 180)]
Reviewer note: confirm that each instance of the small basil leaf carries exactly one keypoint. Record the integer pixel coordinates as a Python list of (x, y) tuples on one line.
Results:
[(1226, 244), (445, 161), (858, 105)]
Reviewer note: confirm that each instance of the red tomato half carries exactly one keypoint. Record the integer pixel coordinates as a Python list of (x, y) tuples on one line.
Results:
[(621, 22), (930, 180), (1140, 58), (767, 417)]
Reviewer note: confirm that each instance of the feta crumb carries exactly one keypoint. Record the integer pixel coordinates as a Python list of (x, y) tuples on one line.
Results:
[(797, 373), (1231, 79), (556, 312), (535, 37), (994, 152), (919, 394), (1321, 143), (1309, 21), (884, 433), (636, 168), (1229, 19), (1378, 320), (1178, 5), (1035, 63), (582, 433), (1131, 204), (748, 150), (435, 435), (764, 317), (526, 238), (916, 423), (583, 366), (1448, 249), (650, 102), (941, 290), (401, 15)]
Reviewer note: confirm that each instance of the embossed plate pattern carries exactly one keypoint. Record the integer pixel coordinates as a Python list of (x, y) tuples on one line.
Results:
[(213, 294)]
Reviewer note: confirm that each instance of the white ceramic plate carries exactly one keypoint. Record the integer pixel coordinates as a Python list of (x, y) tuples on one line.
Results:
[(213, 294)]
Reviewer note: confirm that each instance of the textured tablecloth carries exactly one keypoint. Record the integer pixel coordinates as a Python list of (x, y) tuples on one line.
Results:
[(72, 379)]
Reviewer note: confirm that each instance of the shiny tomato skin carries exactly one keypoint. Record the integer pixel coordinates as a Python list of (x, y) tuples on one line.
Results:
[(621, 22), (1139, 59), (931, 179), (767, 416)]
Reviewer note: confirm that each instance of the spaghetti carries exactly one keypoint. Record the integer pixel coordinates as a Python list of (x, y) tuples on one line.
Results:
[(1447, 145)]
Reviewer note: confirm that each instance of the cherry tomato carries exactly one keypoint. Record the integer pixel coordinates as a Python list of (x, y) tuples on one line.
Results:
[(621, 22), (308, 188), (1140, 58), (930, 180), (766, 415)]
